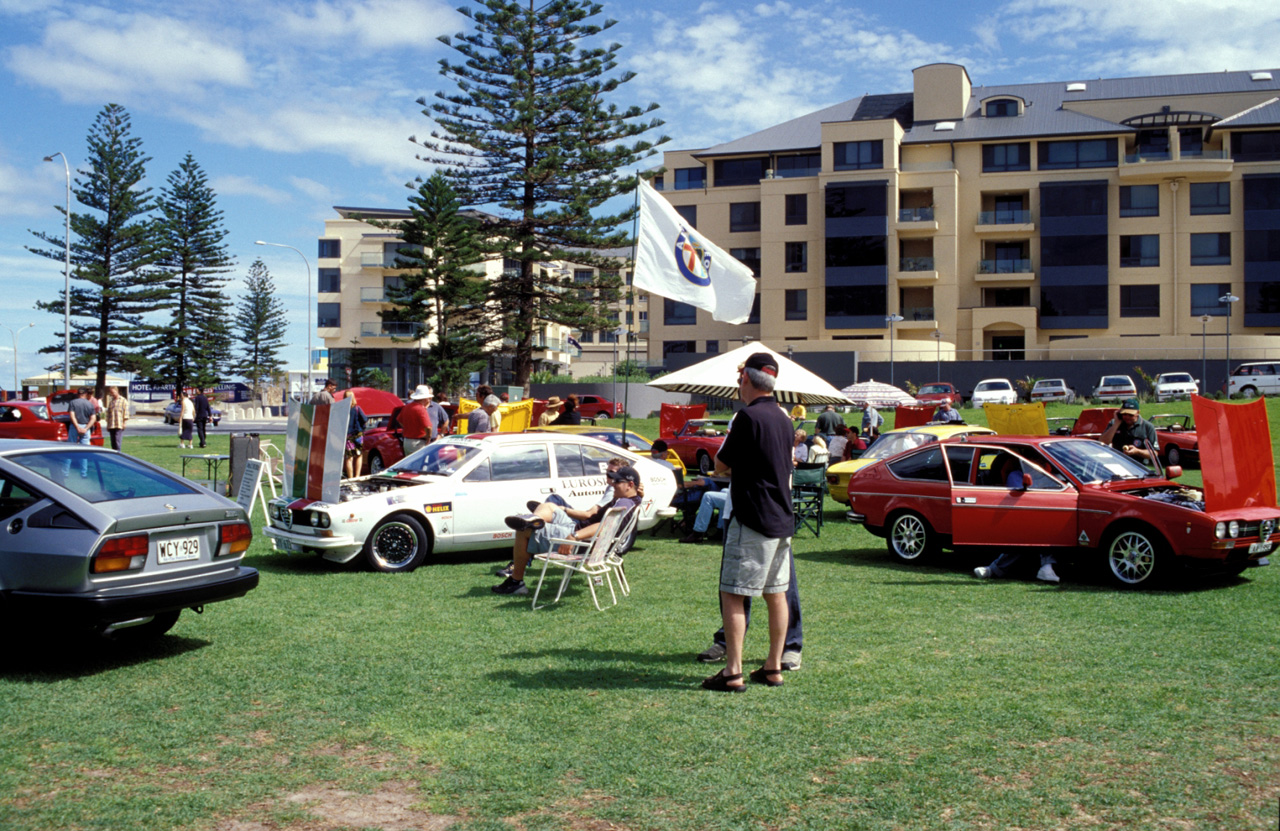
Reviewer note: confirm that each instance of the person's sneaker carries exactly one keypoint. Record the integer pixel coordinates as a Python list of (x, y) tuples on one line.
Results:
[(982, 572), (714, 654), (519, 522), (510, 586), (694, 536), (1047, 574), (505, 571), (791, 660), (532, 505)]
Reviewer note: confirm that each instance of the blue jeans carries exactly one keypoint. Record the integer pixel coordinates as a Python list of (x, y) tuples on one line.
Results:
[(795, 631), (1007, 559), (74, 437), (712, 501)]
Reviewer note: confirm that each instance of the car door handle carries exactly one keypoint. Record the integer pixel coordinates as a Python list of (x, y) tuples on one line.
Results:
[(966, 500)]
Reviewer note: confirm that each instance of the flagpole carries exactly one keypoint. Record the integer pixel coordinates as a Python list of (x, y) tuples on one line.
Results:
[(626, 383)]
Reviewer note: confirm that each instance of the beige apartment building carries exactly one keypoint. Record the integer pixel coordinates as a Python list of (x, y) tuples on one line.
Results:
[(1069, 220)]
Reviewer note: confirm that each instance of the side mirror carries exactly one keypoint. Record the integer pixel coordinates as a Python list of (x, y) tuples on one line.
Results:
[(1026, 481), (1173, 471)]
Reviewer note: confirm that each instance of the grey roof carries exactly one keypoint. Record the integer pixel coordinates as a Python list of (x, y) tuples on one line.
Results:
[(1266, 114), (803, 133)]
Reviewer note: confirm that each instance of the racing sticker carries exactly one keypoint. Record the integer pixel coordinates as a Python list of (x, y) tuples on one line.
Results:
[(395, 499), (437, 508), (503, 535)]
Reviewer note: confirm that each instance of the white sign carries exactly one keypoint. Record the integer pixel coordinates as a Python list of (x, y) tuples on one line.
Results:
[(250, 484)]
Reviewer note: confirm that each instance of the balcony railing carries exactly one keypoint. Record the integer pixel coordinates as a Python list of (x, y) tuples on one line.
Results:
[(1004, 266), (1005, 217), (918, 313), (552, 344), (374, 259), (1166, 156), (922, 167), (916, 264), (389, 329), (915, 215), (375, 294)]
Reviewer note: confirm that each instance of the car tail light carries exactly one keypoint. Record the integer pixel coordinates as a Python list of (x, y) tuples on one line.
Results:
[(121, 554), (234, 538)]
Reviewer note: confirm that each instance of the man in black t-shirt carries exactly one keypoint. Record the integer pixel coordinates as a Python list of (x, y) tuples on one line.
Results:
[(757, 550)]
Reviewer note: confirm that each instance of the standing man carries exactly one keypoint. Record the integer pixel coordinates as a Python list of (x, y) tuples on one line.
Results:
[(871, 418), (83, 416), (203, 414), (416, 430), (325, 396), (482, 420), (439, 416), (117, 414), (757, 547), (1132, 434), (828, 422)]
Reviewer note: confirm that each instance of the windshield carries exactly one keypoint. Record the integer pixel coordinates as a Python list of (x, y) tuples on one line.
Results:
[(891, 444), (1180, 378), (928, 389), (1091, 462), (1051, 384), (440, 459), (95, 476)]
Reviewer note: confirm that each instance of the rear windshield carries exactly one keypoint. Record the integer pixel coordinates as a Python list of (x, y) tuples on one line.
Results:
[(1115, 381), (99, 476), (988, 386), (1052, 383)]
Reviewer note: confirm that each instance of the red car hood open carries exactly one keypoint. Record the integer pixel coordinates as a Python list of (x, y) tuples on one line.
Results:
[(913, 415), (1235, 454), (374, 402)]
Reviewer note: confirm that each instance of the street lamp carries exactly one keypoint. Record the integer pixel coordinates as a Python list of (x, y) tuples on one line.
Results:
[(1204, 351), (308, 264), (14, 335), (1229, 299), (936, 334), (892, 319), (66, 315)]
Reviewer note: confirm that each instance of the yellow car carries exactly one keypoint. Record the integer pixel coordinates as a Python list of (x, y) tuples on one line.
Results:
[(635, 442), (891, 443)]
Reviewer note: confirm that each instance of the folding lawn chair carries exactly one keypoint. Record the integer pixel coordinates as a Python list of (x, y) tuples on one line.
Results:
[(620, 546), (808, 492), (586, 557)]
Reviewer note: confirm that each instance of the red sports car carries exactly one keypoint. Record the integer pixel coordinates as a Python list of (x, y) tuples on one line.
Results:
[(46, 419), (1074, 494), (1179, 444), (698, 441)]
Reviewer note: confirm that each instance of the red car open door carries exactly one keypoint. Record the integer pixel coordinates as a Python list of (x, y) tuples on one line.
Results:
[(987, 510)]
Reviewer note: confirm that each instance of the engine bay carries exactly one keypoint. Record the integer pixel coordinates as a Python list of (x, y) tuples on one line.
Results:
[(373, 485), (1183, 497)]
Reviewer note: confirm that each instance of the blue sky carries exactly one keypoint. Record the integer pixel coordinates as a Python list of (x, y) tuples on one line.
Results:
[(293, 106)]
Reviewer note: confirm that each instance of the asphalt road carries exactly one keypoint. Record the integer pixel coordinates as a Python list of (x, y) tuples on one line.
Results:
[(155, 426)]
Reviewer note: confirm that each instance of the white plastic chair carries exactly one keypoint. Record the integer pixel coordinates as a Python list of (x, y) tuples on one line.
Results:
[(586, 557)]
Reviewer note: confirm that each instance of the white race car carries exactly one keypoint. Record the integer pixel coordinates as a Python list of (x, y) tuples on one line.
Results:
[(454, 494)]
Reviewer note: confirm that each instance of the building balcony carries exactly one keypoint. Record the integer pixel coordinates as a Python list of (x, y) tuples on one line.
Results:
[(375, 294), (926, 167), (1017, 223), (377, 259), (915, 214), (1004, 271), (916, 264), (1158, 166), (915, 314), (389, 329)]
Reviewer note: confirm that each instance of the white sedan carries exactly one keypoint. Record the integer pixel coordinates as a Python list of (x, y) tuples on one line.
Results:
[(1171, 385), (454, 495), (994, 391)]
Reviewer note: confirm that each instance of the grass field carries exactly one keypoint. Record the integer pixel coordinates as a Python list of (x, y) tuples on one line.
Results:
[(334, 698)]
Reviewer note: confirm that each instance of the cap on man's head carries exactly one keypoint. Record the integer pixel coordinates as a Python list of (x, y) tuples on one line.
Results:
[(762, 361), (1130, 405), (329, 382), (627, 473)]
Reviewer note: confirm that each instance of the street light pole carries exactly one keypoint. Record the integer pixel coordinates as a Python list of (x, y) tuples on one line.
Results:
[(892, 319), (307, 397), (936, 334), (1204, 352), (14, 335), (66, 315), (1230, 299)]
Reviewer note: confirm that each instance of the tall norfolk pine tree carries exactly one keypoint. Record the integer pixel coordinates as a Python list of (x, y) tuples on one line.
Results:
[(113, 250), (260, 326), (195, 345), (528, 131)]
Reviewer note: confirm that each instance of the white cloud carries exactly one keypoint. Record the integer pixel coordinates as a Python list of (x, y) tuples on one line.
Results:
[(234, 185), (378, 24), (314, 190), (34, 192), (101, 55)]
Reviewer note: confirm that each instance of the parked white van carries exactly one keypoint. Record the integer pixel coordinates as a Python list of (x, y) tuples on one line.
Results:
[(1250, 380)]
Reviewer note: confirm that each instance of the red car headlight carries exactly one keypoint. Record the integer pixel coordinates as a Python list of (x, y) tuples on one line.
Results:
[(121, 554), (234, 538)]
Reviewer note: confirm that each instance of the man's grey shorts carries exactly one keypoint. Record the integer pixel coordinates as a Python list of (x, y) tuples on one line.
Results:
[(559, 528), (753, 564)]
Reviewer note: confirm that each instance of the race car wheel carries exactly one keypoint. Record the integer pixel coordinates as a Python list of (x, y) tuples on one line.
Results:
[(910, 539), (375, 462), (398, 543), (1172, 457), (1135, 557), (705, 465)]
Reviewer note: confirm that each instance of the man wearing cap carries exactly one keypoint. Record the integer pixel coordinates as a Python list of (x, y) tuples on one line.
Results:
[(325, 396), (551, 412), (757, 546), (1132, 434), (535, 531), (946, 414), (416, 428)]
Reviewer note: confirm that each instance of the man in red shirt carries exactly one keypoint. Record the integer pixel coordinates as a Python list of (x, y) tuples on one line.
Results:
[(416, 428)]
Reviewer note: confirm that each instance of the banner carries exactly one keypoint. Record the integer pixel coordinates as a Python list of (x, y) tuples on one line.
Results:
[(314, 444)]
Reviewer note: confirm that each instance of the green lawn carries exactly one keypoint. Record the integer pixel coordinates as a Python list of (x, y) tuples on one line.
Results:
[(336, 698)]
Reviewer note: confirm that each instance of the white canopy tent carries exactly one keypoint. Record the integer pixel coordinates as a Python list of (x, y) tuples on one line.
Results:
[(718, 377)]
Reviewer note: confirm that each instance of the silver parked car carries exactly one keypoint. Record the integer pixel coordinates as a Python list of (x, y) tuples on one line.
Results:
[(1052, 389), (97, 541)]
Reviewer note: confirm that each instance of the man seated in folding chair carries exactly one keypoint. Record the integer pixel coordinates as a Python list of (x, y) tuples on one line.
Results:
[(549, 521), (689, 492)]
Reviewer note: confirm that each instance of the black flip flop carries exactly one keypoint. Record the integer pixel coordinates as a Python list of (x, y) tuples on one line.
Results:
[(720, 683), (762, 676)]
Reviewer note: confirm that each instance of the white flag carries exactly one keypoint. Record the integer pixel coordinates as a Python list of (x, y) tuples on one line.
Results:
[(673, 260)]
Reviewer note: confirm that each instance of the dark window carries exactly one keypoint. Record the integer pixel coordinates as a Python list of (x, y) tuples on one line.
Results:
[(744, 216), (658, 182), (1262, 297), (854, 200), (675, 313), (926, 464), (329, 249), (1077, 200), (1256, 147), (846, 301), (587, 336), (568, 460), (328, 315), (1153, 144), (754, 316), (1001, 157), (797, 304), (713, 347), (1073, 301), (689, 213), (1204, 299), (961, 461), (1191, 141), (1139, 301), (330, 280), (1210, 198), (1088, 249), (750, 257), (512, 463), (1139, 251), (1259, 246), (807, 164), (856, 251), (690, 178), (1211, 249), (1004, 298), (797, 208), (730, 172), (1065, 155), (1262, 193), (1139, 200), (859, 155), (1002, 109), (672, 347), (797, 256)]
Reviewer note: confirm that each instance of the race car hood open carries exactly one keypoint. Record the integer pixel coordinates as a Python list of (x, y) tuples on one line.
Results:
[(1235, 454)]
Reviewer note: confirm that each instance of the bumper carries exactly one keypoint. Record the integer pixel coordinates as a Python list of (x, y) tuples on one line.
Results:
[(855, 518), (339, 548), (103, 608)]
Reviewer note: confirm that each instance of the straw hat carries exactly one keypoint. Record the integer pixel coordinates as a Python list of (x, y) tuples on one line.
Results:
[(554, 403)]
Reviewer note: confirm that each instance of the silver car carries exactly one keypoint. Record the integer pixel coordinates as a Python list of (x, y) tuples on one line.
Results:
[(97, 541)]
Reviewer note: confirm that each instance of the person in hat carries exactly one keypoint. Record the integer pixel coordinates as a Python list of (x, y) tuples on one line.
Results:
[(756, 560), (535, 531), (1132, 434), (552, 412), (416, 427), (325, 396)]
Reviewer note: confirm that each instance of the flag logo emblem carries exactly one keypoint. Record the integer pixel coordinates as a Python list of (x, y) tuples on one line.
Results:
[(693, 259)]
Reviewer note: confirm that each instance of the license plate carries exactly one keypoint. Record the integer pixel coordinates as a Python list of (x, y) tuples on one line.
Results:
[(285, 545), (1260, 548), (175, 551)]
